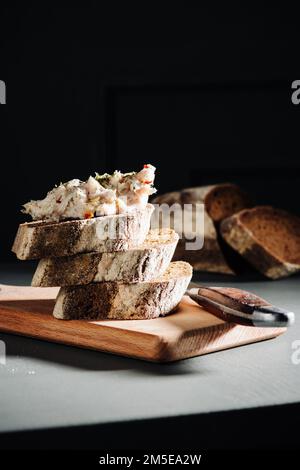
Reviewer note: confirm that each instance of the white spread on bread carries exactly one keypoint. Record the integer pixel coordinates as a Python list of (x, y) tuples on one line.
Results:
[(100, 195)]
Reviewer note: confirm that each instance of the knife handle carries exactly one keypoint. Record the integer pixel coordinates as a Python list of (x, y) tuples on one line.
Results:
[(264, 316)]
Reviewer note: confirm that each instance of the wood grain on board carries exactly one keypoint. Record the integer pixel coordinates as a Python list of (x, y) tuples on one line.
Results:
[(190, 331)]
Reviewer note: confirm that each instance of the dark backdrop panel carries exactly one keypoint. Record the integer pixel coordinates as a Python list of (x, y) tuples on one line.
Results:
[(204, 93), (242, 132)]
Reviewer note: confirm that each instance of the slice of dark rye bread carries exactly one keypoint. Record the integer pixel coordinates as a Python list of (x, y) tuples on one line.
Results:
[(268, 238), (36, 240), (140, 264), (220, 201), (119, 301)]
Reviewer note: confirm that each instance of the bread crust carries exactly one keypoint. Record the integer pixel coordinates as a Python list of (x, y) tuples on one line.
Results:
[(36, 240), (139, 264), (113, 300), (243, 240)]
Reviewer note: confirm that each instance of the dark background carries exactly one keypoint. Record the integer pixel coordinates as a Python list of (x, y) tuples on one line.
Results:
[(202, 93)]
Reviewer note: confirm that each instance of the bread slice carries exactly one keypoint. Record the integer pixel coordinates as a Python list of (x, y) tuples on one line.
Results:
[(113, 300), (35, 240), (220, 201), (268, 238), (140, 264)]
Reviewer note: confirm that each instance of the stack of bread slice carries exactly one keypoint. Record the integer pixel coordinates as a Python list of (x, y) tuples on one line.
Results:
[(129, 276)]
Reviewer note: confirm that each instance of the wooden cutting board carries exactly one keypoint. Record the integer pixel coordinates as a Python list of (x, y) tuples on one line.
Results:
[(191, 331)]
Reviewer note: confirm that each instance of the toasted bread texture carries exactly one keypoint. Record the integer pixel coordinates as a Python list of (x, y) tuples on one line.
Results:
[(140, 264), (36, 240), (115, 300)]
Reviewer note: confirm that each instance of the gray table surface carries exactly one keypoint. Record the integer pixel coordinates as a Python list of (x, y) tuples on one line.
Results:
[(45, 385)]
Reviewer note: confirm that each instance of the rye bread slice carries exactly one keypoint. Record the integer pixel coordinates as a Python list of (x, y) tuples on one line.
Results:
[(220, 201), (119, 301), (36, 240), (140, 264), (268, 238)]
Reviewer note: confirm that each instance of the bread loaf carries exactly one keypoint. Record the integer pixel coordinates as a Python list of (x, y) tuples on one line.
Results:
[(219, 201)]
